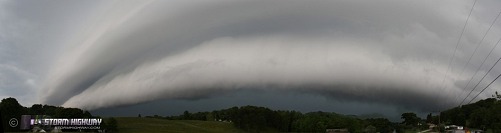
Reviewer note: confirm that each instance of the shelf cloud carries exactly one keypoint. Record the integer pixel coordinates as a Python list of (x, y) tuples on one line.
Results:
[(127, 52)]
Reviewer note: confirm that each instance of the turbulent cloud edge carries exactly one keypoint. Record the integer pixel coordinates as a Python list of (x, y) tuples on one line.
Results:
[(284, 63), (357, 50)]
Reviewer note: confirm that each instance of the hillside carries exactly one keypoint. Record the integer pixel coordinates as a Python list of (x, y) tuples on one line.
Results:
[(153, 125), (483, 114)]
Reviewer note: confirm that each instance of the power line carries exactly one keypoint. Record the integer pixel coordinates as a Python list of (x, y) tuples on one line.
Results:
[(454, 54), (485, 88), (478, 68), (469, 59), (457, 44), (480, 80)]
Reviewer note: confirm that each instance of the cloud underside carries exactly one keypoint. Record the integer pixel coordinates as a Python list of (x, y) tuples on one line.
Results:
[(394, 54), (337, 69)]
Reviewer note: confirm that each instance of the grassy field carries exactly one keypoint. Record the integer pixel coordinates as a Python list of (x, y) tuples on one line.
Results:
[(153, 125)]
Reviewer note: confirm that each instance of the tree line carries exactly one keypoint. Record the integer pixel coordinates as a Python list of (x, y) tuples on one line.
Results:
[(258, 119), (484, 114)]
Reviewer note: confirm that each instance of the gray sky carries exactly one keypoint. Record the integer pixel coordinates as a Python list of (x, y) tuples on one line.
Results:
[(391, 55)]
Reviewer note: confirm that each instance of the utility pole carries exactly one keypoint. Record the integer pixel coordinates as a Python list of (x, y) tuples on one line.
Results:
[(438, 118)]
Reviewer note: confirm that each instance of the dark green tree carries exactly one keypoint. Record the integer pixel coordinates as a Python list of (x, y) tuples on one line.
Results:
[(1, 123), (410, 119), (429, 118), (287, 118), (251, 118), (111, 125), (479, 118), (49, 110), (209, 116), (87, 114), (382, 125), (186, 115), (36, 109), (11, 108)]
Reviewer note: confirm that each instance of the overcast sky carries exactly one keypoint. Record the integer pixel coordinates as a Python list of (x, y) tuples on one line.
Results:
[(354, 57)]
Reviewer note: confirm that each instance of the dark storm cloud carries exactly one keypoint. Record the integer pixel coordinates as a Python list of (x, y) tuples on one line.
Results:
[(277, 100), (129, 52)]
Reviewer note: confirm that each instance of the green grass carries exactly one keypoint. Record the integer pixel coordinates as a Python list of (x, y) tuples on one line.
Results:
[(154, 125)]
